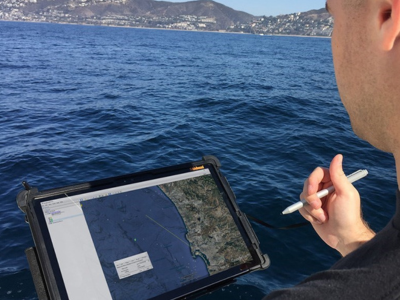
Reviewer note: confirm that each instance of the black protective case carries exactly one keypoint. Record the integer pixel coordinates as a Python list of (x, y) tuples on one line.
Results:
[(38, 257)]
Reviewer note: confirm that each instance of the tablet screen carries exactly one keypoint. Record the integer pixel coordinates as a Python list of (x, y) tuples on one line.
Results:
[(164, 236)]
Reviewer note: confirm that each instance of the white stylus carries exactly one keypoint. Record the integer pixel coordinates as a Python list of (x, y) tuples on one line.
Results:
[(322, 193)]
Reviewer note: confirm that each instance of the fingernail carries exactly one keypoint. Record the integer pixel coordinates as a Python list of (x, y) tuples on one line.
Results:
[(322, 219), (340, 160)]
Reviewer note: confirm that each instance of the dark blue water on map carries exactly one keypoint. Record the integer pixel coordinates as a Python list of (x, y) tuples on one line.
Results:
[(131, 223), (79, 103)]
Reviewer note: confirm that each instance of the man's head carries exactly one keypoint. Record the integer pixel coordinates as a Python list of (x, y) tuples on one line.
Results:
[(366, 54)]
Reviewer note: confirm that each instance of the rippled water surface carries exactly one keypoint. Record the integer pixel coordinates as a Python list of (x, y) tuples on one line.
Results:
[(80, 103)]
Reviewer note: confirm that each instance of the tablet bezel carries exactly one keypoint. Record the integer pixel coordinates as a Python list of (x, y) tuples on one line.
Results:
[(48, 259)]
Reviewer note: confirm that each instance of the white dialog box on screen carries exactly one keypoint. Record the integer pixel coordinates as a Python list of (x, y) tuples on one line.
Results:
[(133, 265)]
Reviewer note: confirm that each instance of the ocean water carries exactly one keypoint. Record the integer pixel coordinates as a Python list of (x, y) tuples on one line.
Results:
[(79, 103)]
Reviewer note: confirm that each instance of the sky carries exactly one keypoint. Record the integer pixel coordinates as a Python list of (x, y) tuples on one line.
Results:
[(270, 7)]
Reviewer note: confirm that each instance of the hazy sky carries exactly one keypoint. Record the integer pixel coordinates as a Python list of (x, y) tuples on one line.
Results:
[(270, 7)]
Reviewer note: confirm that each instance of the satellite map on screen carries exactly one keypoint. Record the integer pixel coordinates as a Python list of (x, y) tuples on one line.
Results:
[(153, 240)]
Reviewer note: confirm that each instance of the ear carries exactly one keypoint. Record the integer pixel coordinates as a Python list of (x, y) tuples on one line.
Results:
[(390, 25)]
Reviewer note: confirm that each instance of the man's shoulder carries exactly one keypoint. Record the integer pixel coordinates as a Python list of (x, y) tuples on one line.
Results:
[(370, 272)]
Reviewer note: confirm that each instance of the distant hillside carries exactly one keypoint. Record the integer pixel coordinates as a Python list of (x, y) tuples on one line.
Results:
[(192, 15), (222, 15), (317, 14), (311, 23)]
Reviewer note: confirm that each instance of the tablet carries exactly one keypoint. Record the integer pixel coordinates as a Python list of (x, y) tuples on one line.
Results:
[(170, 233)]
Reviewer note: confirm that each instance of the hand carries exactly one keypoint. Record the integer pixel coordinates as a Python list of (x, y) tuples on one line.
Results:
[(337, 218)]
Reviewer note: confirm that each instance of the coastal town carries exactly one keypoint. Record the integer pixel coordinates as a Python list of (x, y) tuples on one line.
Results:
[(88, 12), (307, 24)]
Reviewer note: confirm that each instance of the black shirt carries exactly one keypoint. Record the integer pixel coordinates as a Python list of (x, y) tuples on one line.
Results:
[(370, 272)]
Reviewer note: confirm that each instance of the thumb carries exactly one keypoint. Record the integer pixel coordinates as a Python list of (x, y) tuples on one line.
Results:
[(338, 177)]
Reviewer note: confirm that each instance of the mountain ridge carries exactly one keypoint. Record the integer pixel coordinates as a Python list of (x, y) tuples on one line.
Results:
[(191, 15), (225, 16)]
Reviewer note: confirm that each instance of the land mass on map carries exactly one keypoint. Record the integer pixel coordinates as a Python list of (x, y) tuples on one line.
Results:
[(211, 230)]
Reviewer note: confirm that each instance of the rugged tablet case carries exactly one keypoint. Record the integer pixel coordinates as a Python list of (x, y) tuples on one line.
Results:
[(39, 262)]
